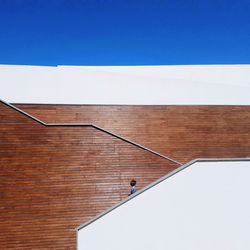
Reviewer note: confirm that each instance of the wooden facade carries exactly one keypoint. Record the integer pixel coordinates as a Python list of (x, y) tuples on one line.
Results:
[(182, 133), (54, 178)]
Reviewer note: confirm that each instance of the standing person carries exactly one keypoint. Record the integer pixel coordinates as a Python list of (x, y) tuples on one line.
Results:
[(133, 189)]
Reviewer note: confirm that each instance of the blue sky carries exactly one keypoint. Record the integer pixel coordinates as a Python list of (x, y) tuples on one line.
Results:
[(115, 32)]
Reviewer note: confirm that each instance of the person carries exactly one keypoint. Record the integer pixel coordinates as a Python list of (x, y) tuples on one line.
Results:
[(133, 185)]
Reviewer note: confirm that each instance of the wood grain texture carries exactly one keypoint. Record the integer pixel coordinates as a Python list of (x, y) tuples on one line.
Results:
[(55, 178), (182, 133)]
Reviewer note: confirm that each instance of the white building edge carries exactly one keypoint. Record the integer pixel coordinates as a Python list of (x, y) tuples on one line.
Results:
[(202, 205), (125, 85)]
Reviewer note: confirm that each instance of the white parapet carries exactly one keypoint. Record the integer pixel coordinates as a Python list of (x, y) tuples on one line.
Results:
[(204, 206), (146, 85)]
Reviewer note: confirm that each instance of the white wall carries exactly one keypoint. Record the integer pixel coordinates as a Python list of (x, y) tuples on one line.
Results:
[(204, 207), (200, 84)]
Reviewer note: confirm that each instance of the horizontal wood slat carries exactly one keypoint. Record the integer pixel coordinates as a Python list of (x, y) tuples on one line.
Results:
[(179, 132)]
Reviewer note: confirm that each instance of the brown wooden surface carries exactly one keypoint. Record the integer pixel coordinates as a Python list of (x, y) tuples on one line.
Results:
[(180, 132), (52, 179)]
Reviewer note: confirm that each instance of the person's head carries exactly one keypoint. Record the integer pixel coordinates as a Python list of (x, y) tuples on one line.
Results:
[(133, 183)]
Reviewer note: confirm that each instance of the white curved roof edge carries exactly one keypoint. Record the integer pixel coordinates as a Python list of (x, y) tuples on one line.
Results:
[(126, 85)]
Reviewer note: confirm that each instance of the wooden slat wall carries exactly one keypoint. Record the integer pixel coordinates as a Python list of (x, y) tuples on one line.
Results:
[(180, 132), (52, 179)]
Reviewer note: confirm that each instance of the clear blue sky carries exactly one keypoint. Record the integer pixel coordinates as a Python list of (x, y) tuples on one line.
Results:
[(128, 32)]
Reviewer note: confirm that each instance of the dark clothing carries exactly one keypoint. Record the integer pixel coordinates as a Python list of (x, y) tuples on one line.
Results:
[(133, 190)]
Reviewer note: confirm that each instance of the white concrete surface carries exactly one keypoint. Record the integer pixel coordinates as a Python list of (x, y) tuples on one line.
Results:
[(147, 85), (206, 206)]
